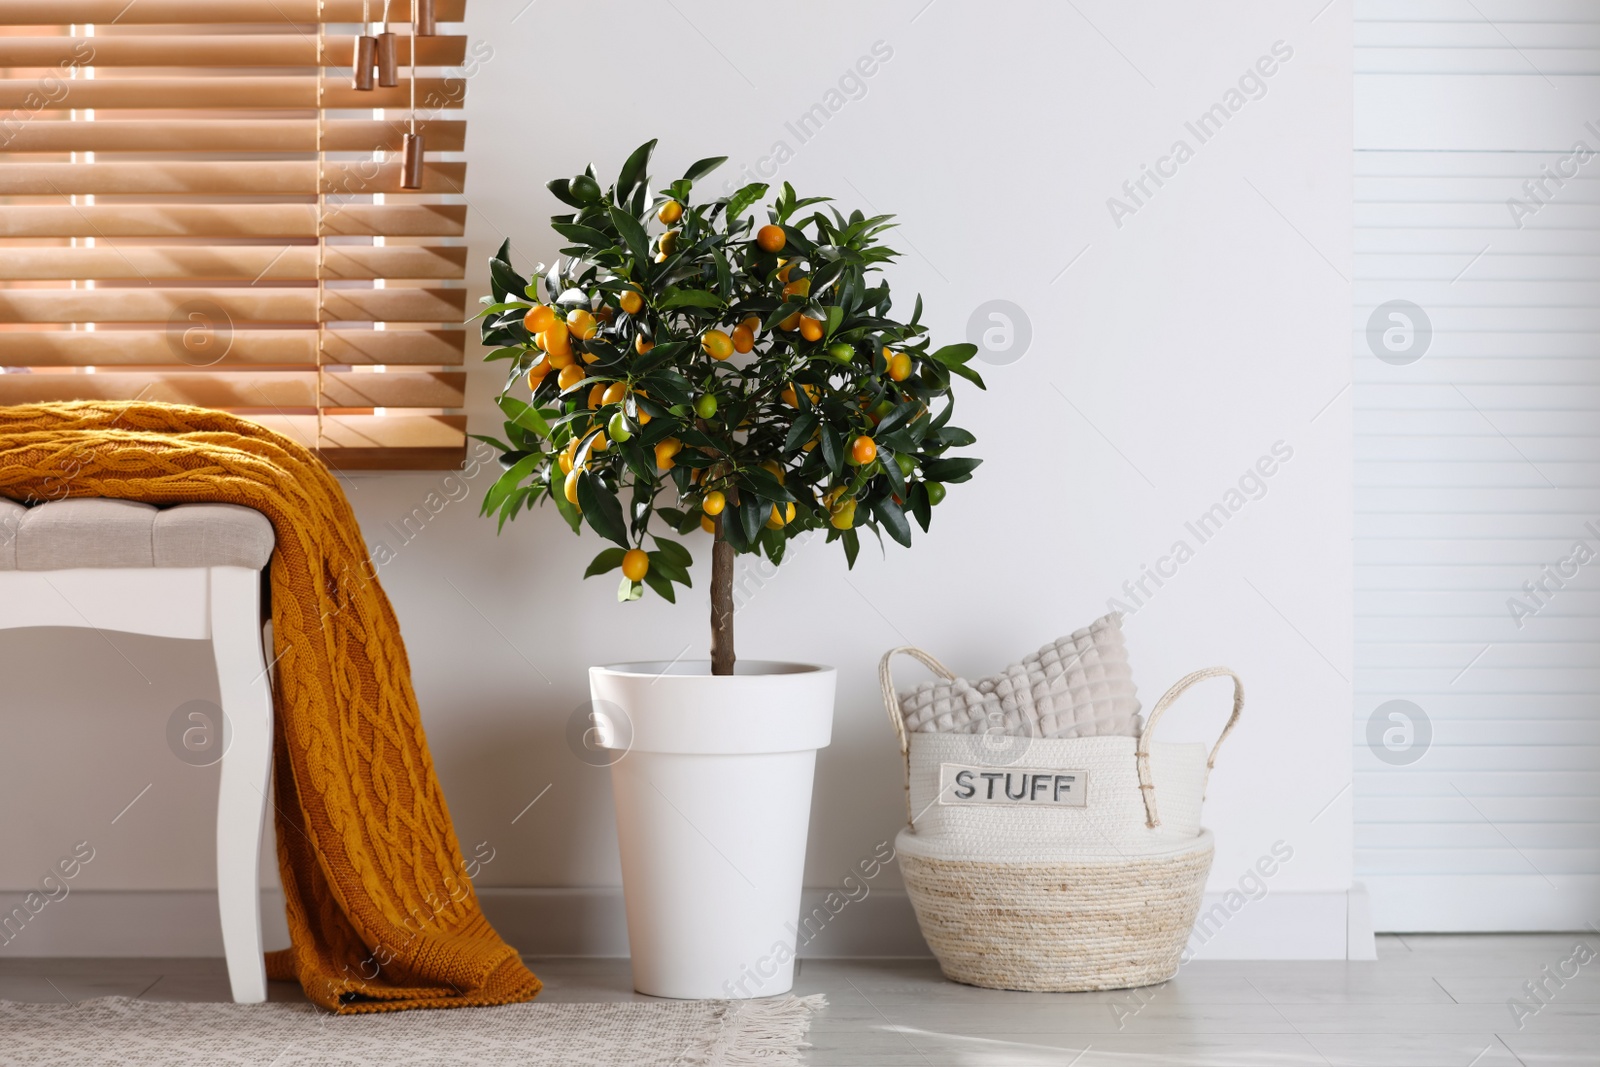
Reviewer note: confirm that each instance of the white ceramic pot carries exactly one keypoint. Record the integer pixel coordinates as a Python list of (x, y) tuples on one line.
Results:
[(713, 799)]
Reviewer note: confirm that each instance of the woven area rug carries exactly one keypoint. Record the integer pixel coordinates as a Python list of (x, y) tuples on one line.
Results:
[(694, 1033)]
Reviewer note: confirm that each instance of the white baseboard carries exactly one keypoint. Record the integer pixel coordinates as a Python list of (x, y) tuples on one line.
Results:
[(133, 922), (591, 922), (1483, 903)]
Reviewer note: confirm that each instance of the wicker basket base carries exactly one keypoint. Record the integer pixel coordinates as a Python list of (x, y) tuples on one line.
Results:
[(1058, 927)]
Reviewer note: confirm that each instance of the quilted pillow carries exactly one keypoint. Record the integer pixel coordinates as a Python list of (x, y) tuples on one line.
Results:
[(1078, 686)]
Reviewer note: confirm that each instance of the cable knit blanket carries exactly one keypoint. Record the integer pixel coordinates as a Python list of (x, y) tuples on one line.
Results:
[(381, 914)]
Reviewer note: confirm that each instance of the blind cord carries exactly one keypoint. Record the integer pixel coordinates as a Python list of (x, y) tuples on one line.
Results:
[(322, 207)]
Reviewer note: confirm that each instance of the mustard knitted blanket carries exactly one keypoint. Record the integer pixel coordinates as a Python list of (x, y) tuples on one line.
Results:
[(381, 913)]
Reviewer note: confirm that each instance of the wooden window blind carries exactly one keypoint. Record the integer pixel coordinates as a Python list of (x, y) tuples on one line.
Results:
[(200, 204)]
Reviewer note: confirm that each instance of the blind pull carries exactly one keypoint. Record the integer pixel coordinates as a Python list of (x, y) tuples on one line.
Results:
[(412, 145), (365, 59), (388, 58)]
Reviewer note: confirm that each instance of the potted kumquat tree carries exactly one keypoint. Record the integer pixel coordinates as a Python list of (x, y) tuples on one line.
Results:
[(748, 381)]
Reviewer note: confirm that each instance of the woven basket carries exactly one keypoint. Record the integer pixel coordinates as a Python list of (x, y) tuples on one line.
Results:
[(1101, 894)]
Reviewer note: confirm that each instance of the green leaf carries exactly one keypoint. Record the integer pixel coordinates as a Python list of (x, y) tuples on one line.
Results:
[(800, 431), (608, 560), (920, 507), (784, 311), (642, 465), (504, 281), (956, 437), (891, 473), (633, 170), (774, 542), (508, 482), (700, 168), (670, 569), (835, 316), (509, 508), (830, 449), (601, 509), (501, 445), (587, 235), (852, 546), (672, 549), (969, 374), (895, 418), (669, 388), (763, 484), (562, 188), (558, 493), (524, 415), (629, 590), (658, 581), (505, 305), (740, 201), (632, 233), (639, 508), (954, 355), (893, 520), (752, 516), (958, 469), (678, 298)]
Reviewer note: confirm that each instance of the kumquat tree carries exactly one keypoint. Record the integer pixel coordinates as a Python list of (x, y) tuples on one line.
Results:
[(746, 380)]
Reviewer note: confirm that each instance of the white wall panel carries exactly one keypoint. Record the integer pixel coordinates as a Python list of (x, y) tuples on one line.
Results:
[(1479, 464)]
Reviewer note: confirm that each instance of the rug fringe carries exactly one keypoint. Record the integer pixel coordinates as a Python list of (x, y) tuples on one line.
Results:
[(757, 1033)]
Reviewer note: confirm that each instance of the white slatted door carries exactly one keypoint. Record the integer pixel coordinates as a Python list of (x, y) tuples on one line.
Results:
[(1478, 464)]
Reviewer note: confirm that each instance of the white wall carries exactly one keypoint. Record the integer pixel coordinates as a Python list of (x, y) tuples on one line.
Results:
[(1173, 352)]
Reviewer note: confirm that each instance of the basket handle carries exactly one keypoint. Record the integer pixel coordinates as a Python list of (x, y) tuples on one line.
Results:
[(891, 704), (1142, 757)]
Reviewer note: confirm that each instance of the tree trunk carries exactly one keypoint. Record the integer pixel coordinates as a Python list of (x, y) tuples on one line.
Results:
[(721, 604)]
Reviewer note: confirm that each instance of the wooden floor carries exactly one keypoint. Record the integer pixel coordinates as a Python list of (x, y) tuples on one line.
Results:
[(1433, 1001)]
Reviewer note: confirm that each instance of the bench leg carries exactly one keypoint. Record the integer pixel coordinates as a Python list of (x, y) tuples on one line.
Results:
[(246, 769)]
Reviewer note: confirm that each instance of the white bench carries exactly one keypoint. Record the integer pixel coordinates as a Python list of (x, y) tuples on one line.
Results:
[(190, 571)]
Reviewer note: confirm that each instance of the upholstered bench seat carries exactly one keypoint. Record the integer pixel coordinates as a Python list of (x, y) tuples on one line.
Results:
[(189, 571), (98, 532)]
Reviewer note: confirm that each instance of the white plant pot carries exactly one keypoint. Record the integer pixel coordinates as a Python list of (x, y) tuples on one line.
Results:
[(713, 799)]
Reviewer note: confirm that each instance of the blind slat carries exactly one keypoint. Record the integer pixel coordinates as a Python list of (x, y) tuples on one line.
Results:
[(242, 220), (236, 389), (199, 135), (249, 263), (271, 178), (110, 94), (371, 442), (209, 50), (115, 347), (240, 305), (203, 12)]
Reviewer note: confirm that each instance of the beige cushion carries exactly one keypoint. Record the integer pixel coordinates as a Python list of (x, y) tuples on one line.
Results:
[(1080, 685), (94, 532), (11, 514)]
